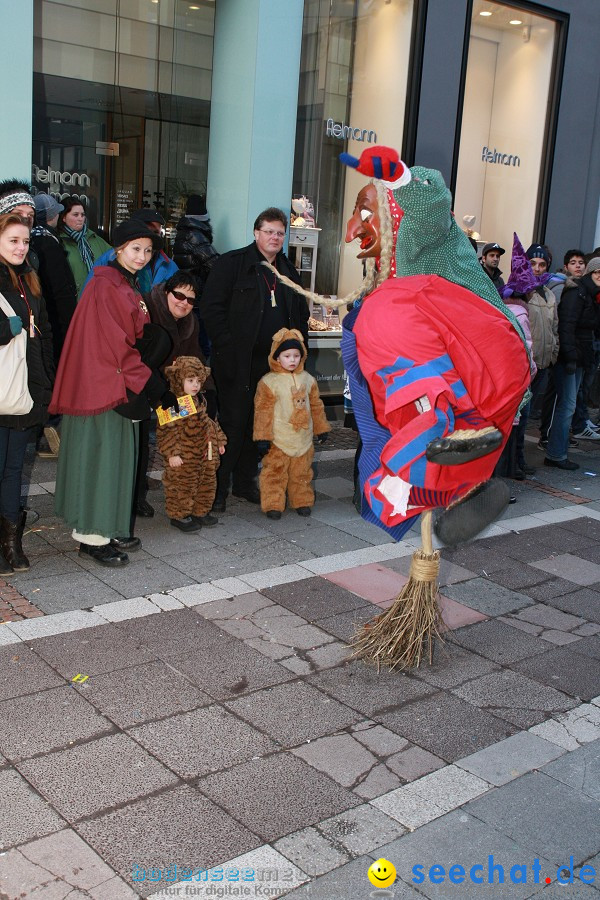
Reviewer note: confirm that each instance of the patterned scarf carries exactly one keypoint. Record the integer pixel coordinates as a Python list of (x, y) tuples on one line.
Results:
[(82, 245)]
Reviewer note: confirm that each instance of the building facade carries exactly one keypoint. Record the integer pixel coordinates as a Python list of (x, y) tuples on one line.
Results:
[(133, 102)]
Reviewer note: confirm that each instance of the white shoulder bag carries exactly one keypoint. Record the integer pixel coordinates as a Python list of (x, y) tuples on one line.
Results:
[(15, 399)]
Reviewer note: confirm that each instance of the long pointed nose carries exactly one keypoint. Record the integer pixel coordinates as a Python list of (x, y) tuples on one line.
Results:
[(354, 227)]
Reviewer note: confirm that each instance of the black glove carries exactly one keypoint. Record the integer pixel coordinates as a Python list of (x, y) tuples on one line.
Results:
[(321, 438), (154, 389), (263, 448), (169, 400), (570, 368)]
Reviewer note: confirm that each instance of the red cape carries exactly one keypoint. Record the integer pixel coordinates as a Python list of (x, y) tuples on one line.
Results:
[(99, 361)]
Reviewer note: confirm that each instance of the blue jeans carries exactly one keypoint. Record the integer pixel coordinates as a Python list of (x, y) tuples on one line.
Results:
[(13, 444), (567, 387)]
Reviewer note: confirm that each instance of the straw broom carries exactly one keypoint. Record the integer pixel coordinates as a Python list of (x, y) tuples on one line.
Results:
[(400, 637)]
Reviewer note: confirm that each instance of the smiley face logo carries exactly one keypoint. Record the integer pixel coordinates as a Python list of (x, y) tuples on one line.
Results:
[(382, 873)]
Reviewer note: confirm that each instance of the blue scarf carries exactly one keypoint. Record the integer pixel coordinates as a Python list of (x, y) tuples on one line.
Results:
[(82, 245)]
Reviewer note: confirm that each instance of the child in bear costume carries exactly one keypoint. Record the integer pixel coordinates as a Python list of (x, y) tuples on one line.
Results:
[(191, 448), (287, 412)]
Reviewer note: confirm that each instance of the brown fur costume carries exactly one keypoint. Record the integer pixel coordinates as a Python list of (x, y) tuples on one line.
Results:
[(287, 411), (190, 488)]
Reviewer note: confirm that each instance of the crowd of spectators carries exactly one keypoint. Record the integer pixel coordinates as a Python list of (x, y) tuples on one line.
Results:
[(106, 326)]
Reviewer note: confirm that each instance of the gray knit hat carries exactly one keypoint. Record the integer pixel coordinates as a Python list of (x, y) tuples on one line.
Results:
[(593, 265)]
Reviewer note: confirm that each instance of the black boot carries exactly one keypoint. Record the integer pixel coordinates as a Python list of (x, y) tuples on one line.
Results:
[(465, 518), (11, 537), (5, 566)]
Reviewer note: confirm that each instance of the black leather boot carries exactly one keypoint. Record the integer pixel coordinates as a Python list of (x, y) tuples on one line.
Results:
[(11, 537), (5, 566)]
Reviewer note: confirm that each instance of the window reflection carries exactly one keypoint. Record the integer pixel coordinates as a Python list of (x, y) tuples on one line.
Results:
[(501, 158)]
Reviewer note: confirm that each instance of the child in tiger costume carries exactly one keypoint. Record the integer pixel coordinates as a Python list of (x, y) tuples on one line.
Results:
[(287, 412), (190, 447)]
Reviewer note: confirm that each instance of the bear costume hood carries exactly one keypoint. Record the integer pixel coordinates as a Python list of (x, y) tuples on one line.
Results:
[(185, 367), (286, 334)]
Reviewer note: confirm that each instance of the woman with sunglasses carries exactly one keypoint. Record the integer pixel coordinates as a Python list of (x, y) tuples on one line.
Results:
[(170, 305)]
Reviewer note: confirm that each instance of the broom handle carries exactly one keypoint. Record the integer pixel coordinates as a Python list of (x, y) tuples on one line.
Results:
[(426, 533)]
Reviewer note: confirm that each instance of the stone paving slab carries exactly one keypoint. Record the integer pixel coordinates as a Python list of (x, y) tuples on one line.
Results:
[(513, 697), (573, 728), (508, 759), (309, 713), (314, 598), (161, 831), (96, 650), (573, 568), (23, 672), (172, 633), (486, 596), (47, 721), (454, 665), (446, 726), (583, 601), (61, 593), (140, 693), (499, 642), (522, 811), (564, 669), (241, 671), (53, 866), (83, 780), (192, 743), (370, 692), (25, 815), (579, 770), (247, 792)]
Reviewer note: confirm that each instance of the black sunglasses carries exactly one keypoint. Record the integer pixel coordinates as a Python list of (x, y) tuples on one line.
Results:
[(184, 297)]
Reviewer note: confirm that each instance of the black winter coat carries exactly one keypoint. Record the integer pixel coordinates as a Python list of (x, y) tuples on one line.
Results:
[(232, 309), (193, 249), (58, 284), (40, 360), (578, 318)]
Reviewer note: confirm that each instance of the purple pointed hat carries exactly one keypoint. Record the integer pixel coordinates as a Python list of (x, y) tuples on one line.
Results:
[(521, 279)]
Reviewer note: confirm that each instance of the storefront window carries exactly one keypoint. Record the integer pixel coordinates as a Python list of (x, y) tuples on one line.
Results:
[(122, 103), (353, 85), (506, 106)]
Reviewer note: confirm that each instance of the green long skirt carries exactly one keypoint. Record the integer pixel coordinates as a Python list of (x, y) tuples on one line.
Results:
[(96, 470)]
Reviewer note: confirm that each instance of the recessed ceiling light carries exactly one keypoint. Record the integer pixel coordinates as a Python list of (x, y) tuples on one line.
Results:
[(515, 22), (485, 13)]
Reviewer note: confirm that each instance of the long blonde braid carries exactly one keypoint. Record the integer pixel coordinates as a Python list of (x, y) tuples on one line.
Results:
[(373, 278)]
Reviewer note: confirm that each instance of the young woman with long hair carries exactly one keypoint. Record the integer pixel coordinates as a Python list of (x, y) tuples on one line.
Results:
[(20, 286)]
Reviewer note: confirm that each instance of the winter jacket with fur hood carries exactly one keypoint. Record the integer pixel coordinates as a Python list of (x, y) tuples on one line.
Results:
[(287, 407)]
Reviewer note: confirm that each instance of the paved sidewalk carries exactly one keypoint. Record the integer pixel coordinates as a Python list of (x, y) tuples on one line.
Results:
[(197, 711)]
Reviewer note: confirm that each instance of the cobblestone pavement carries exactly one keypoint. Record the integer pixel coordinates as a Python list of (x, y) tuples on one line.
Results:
[(198, 711)]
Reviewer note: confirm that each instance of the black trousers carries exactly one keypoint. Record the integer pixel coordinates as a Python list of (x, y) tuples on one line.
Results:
[(239, 463)]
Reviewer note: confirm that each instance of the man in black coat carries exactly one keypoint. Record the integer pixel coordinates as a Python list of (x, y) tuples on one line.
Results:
[(243, 305)]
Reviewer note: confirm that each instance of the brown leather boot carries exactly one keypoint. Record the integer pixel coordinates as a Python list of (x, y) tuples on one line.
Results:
[(11, 537)]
